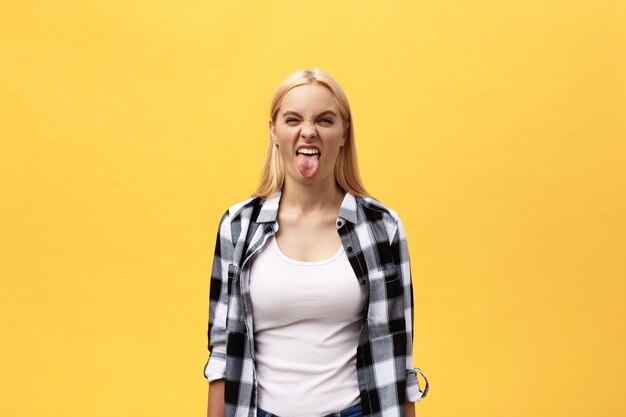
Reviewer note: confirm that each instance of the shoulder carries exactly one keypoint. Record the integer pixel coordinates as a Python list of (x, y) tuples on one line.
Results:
[(235, 210), (233, 218), (374, 211), (371, 204)]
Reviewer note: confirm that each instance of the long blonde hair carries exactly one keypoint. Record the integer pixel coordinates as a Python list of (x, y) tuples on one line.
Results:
[(346, 167)]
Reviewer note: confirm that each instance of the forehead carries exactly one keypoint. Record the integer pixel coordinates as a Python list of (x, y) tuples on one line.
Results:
[(309, 98)]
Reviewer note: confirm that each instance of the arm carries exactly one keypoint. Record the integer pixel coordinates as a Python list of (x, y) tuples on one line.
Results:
[(218, 307), (400, 251), (409, 410), (215, 404)]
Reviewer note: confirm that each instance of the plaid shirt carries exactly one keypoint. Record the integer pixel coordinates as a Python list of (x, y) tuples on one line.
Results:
[(375, 242)]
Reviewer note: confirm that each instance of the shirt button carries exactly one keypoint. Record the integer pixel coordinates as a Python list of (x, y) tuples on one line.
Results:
[(349, 248), (338, 223)]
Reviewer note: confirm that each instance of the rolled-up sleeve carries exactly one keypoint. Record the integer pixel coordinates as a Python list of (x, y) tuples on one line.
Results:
[(215, 366), (414, 393), (400, 252)]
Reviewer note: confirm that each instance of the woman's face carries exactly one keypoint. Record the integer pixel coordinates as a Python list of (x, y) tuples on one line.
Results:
[(309, 118)]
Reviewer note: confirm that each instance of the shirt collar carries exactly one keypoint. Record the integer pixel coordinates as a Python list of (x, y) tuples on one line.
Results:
[(269, 208)]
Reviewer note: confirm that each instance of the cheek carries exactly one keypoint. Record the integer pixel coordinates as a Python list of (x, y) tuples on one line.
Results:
[(284, 150)]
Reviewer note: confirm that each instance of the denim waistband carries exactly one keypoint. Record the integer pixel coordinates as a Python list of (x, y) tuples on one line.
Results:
[(352, 411)]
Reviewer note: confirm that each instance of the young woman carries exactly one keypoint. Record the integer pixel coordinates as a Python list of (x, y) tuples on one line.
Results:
[(311, 301)]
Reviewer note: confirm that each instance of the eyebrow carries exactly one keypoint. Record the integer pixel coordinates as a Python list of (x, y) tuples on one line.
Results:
[(288, 112)]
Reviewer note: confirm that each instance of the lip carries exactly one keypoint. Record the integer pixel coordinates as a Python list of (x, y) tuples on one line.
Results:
[(307, 147)]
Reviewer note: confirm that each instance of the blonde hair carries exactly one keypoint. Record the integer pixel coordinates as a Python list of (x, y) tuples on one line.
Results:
[(346, 167)]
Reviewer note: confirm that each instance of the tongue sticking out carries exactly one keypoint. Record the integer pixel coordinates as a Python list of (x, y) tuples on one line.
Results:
[(308, 164)]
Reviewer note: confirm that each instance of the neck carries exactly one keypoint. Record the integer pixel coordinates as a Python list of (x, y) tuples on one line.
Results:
[(311, 198)]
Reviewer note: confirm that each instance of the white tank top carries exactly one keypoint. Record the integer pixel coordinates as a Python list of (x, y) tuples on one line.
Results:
[(307, 320)]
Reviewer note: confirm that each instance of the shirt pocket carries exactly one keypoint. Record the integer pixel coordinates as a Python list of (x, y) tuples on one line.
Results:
[(385, 314)]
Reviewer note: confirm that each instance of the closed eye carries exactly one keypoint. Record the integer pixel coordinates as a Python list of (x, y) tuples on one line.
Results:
[(324, 120)]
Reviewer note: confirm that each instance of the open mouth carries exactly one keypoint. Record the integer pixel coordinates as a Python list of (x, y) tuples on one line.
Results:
[(308, 161), (308, 152)]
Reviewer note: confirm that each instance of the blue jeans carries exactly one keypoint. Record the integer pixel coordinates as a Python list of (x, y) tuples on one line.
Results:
[(354, 411)]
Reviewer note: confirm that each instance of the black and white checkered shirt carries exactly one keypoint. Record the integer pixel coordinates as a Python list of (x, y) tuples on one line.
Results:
[(374, 240)]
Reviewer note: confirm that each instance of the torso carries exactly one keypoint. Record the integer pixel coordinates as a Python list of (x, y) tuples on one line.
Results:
[(307, 321), (308, 239)]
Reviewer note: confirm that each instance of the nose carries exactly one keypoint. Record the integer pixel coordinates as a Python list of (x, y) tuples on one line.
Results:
[(308, 131)]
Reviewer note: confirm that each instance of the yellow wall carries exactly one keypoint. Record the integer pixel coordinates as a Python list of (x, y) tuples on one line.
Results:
[(496, 129)]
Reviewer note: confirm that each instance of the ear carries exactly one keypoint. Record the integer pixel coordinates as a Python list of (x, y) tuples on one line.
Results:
[(272, 130), (346, 131)]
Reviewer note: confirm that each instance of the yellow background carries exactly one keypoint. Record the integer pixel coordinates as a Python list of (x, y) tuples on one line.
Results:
[(494, 128)]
